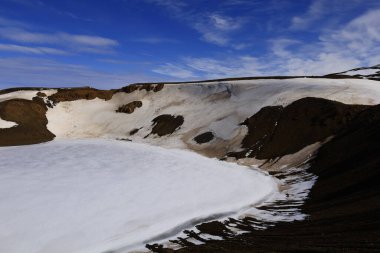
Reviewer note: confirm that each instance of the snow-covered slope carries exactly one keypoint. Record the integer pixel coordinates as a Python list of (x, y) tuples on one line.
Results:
[(217, 107), (233, 120)]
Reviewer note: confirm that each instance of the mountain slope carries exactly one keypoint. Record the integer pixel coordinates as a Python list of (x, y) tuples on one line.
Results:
[(294, 128)]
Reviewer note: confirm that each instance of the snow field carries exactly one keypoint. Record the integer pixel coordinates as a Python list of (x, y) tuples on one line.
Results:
[(99, 195)]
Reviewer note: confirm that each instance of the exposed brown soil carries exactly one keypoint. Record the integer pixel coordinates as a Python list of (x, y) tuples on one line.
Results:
[(6, 91), (343, 206), (204, 138), (144, 86), (130, 107), (72, 94), (31, 119), (166, 124), (276, 131), (41, 94)]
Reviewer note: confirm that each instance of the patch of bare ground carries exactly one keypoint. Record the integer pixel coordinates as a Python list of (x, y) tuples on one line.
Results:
[(276, 131), (130, 107), (73, 94), (31, 119), (144, 86), (204, 137), (166, 124)]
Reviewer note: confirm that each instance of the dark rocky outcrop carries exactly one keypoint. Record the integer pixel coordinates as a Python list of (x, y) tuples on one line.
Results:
[(30, 115), (144, 86), (134, 131), (276, 131), (41, 94), (10, 90), (204, 137), (72, 94), (343, 205), (130, 107), (166, 124)]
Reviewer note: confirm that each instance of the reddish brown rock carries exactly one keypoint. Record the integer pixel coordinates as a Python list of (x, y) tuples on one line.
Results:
[(130, 107), (31, 119)]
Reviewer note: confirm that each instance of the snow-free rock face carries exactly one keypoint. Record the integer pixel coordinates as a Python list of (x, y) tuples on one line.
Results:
[(278, 124)]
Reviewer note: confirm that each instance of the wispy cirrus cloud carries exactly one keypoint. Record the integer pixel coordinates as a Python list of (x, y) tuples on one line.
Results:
[(353, 44), (316, 11), (31, 50), (22, 33), (174, 70), (214, 27), (154, 40)]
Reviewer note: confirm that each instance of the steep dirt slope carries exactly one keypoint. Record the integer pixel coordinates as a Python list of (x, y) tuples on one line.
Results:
[(30, 115)]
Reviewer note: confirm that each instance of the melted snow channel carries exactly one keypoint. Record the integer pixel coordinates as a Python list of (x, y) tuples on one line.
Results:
[(101, 195)]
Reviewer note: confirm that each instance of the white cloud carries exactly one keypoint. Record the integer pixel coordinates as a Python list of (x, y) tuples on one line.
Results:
[(169, 69), (31, 50), (215, 28), (316, 11), (279, 47), (216, 68), (224, 23), (18, 32), (22, 35), (154, 40), (360, 37)]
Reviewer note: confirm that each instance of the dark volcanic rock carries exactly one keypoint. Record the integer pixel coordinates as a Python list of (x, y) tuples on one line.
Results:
[(144, 86), (41, 94), (166, 124), (276, 131), (80, 93), (343, 205), (130, 107), (204, 138), (31, 119), (134, 131)]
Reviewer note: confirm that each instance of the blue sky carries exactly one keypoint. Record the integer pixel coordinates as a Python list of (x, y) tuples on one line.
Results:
[(110, 43)]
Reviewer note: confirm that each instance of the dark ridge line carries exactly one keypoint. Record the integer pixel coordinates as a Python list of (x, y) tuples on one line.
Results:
[(328, 76)]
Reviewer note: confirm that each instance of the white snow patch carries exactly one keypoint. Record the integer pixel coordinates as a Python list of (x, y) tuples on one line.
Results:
[(100, 195), (7, 124), (25, 94)]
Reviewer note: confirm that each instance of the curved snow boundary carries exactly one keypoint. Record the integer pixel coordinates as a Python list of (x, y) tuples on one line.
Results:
[(101, 195)]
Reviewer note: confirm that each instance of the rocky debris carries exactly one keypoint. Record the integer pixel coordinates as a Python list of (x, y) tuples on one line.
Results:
[(146, 86), (276, 131), (41, 94), (73, 94), (130, 107), (31, 119), (204, 137), (134, 131), (166, 124)]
